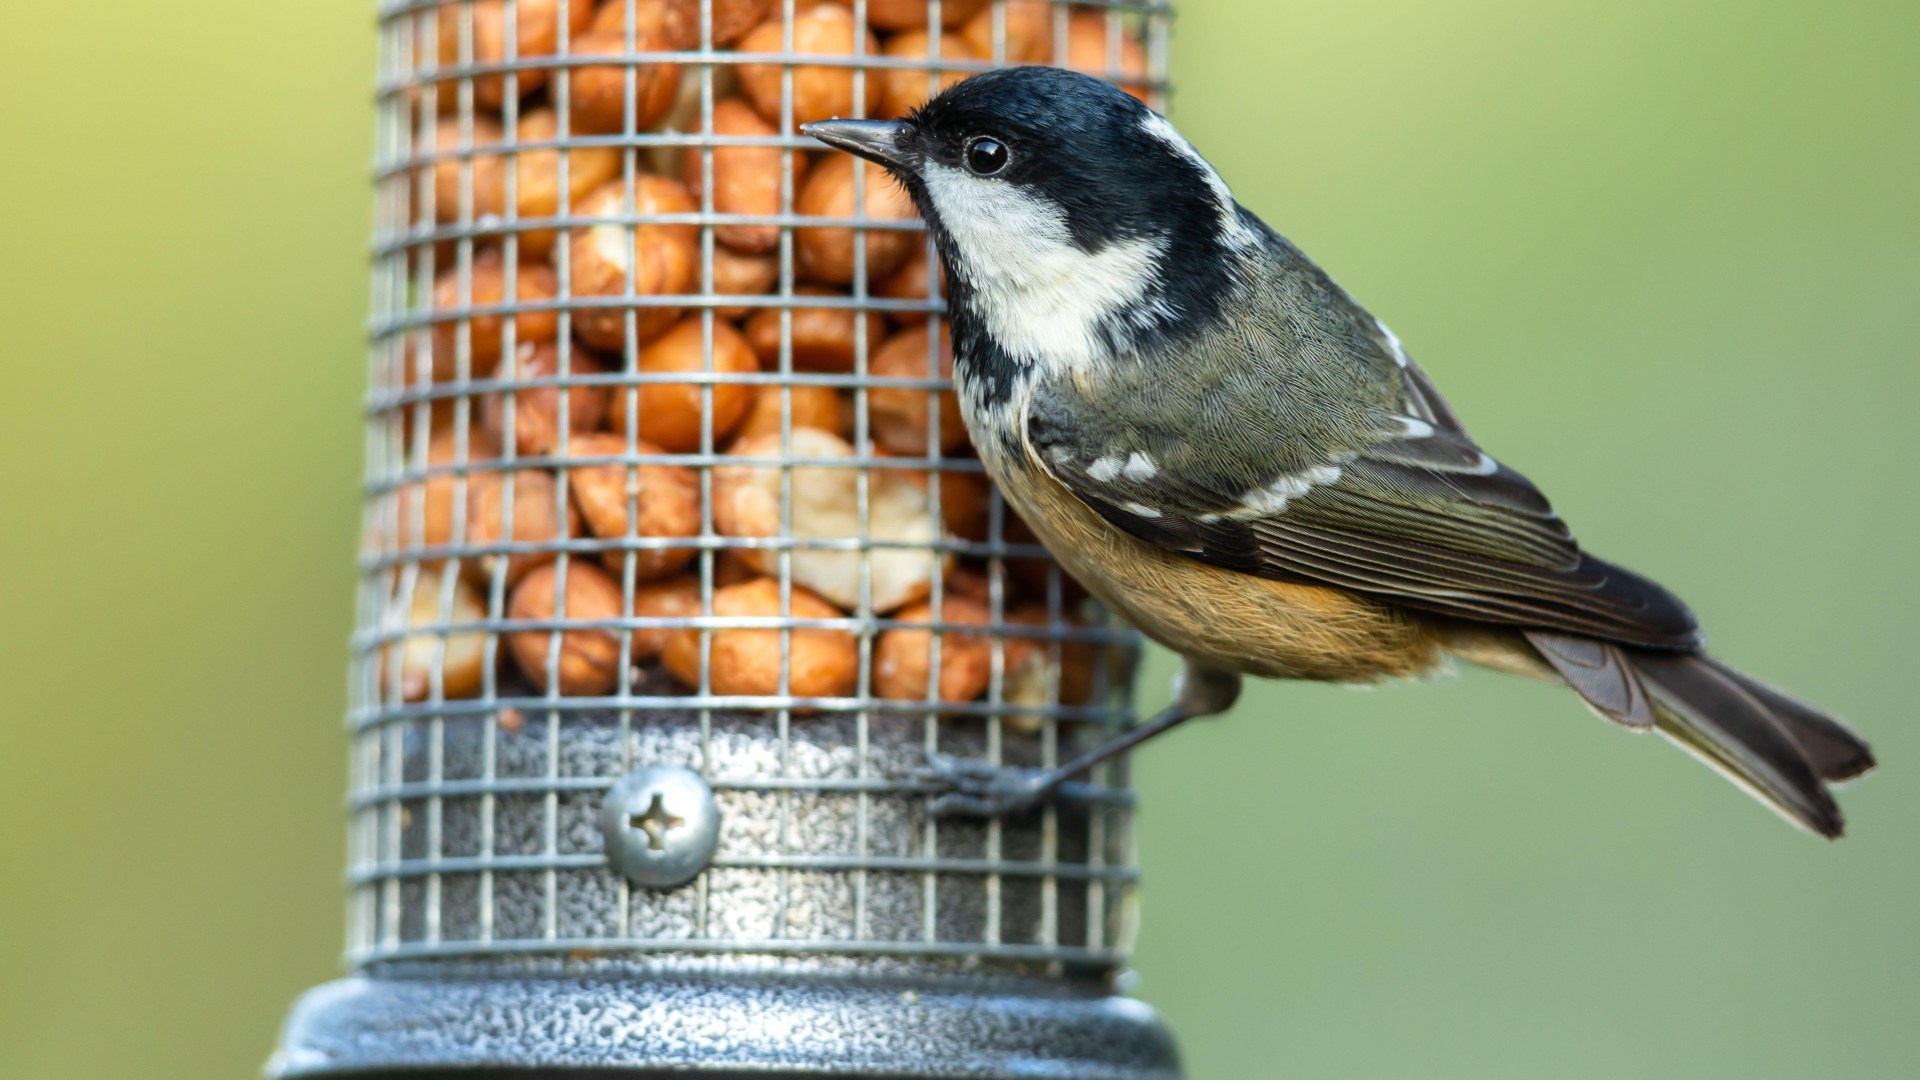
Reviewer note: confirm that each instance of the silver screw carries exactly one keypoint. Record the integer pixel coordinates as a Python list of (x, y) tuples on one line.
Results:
[(661, 826)]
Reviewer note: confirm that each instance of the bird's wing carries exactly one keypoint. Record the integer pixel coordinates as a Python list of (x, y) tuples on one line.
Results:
[(1411, 511)]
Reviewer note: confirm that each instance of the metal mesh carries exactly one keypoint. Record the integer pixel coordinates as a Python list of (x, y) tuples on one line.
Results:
[(489, 718)]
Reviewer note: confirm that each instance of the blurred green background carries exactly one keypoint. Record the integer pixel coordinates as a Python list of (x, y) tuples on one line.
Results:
[(1664, 257)]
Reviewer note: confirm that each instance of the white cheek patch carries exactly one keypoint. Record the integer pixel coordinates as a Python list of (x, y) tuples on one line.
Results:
[(1234, 229), (1039, 294)]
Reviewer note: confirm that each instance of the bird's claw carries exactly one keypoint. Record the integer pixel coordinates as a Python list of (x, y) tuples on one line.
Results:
[(968, 787)]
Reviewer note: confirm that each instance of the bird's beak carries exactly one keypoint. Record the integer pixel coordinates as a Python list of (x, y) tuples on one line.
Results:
[(880, 141)]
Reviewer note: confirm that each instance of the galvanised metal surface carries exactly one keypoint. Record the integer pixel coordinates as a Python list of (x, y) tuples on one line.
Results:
[(821, 852), (834, 927), (654, 1023)]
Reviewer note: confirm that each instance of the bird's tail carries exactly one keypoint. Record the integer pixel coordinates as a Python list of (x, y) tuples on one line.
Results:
[(1781, 750)]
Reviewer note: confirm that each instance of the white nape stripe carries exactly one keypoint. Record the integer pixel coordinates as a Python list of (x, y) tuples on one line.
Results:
[(1235, 230), (1140, 467), (1041, 297), (1393, 342)]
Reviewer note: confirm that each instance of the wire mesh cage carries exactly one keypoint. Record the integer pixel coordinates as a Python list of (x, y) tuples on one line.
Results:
[(665, 473)]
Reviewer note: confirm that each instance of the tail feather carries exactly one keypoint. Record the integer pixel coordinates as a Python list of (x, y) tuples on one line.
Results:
[(1601, 673), (1709, 713), (1838, 754), (1781, 750)]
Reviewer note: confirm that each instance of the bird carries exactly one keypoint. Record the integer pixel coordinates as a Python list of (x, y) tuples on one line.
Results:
[(1235, 456)]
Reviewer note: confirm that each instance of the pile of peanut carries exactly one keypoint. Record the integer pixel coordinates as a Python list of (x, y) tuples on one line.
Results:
[(639, 508)]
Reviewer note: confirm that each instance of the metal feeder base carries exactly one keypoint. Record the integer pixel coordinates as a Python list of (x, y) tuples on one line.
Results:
[(707, 1023)]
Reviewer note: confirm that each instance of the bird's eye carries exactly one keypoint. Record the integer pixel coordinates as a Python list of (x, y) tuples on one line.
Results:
[(986, 156)]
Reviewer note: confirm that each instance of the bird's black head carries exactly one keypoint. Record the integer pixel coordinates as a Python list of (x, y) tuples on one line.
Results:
[(1081, 144), (1072, 219)]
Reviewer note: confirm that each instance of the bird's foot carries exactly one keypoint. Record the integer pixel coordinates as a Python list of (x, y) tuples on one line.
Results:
[(968, 787)]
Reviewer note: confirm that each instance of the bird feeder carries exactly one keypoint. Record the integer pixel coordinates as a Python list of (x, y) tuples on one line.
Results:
[(677, 567)]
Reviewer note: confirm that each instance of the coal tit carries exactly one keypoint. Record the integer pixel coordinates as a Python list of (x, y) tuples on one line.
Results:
[(1234, 455)]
